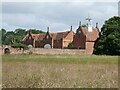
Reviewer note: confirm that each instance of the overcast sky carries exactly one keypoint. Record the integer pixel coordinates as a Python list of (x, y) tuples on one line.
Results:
[(59, 16)]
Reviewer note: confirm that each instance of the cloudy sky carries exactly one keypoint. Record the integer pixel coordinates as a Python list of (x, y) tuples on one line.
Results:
[(59, 16)]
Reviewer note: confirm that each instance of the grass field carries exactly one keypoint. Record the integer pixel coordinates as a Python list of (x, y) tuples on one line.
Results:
[(65, 71)]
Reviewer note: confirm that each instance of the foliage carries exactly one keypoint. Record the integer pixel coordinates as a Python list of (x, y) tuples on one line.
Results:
[(8, 37), (70, 46), (35, 31), (19, 45), (109, 42), (84, 25)]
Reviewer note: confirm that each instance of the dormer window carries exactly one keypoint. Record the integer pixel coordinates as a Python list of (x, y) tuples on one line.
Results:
[(29, 38), (79, 32), (47, 37)]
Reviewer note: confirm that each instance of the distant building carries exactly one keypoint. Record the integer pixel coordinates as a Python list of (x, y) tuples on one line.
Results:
[(84, 38), (52, 40)]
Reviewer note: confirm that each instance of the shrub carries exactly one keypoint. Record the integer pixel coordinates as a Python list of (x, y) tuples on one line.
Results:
[(70, 46), (19, 45)]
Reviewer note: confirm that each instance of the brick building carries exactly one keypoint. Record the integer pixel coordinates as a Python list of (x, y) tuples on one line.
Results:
[(51, 40), (84, 38)]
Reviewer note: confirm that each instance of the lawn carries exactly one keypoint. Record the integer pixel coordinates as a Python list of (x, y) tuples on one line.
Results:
[(65, 71)]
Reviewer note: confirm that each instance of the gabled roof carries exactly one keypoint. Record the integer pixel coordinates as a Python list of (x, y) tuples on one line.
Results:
[(55, 36), (38, 36), (90, 36), (59, 35)]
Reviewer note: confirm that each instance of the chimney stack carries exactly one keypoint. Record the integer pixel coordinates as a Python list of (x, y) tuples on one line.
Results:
[(96, 25), (80, 24), (71, 28), (47, 29)]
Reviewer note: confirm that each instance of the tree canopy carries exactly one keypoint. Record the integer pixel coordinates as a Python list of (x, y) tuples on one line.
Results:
[(109, 41)]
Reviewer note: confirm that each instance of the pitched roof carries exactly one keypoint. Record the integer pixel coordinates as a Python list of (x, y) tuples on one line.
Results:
[(59, 35), (38, 36), (55, 36), (90, 36)]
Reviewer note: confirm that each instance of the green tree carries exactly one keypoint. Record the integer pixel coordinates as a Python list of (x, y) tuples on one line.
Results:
[(19, 34), (20, 31), (2, 35), (8, 38), (109, 41), (35, 31)]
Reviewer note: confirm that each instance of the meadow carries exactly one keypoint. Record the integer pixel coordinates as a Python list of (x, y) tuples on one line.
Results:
[(59, 71)]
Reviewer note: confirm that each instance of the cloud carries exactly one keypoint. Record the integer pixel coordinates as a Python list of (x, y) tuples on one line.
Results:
[(58, 15), (59, 0)]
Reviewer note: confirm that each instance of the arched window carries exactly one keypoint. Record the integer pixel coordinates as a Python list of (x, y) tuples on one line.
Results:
[(47, 37), (79, 32), (47, 46)]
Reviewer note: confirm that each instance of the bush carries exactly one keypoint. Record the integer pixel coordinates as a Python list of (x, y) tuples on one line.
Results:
[(19, 45), (70, 46)]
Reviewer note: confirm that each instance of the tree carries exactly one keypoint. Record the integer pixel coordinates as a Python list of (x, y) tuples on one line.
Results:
[(20, 31), (2, 35), (8, 38), (35, 31), (19, 34), (109, 41)]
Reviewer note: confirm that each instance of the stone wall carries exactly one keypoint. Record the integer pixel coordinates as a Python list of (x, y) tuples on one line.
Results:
[(46, 51)]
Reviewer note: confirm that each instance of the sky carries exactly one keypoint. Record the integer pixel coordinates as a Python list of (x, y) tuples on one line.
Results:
[(58, 15)]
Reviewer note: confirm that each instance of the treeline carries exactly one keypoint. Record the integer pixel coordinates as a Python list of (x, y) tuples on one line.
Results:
[(15, 37)]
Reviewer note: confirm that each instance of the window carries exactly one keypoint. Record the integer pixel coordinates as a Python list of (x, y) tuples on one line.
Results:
[(47, 37), (29, 38), (79, 32)]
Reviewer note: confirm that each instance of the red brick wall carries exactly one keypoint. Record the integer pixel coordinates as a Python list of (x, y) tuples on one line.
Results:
[(89, 47), (39, 44), (79, 41), (58, 44)]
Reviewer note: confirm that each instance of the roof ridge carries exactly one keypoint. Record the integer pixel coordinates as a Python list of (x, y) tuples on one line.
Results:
[(68, 33)]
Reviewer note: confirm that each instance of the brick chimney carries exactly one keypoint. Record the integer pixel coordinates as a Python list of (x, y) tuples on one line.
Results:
[(71, 28)]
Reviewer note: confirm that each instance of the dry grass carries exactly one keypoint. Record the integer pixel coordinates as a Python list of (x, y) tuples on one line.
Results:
[(56, 74)]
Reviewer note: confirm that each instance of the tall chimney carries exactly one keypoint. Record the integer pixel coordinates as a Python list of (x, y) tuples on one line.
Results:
[(96, 25), (80, 24), (47, 29), (71, 28)]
